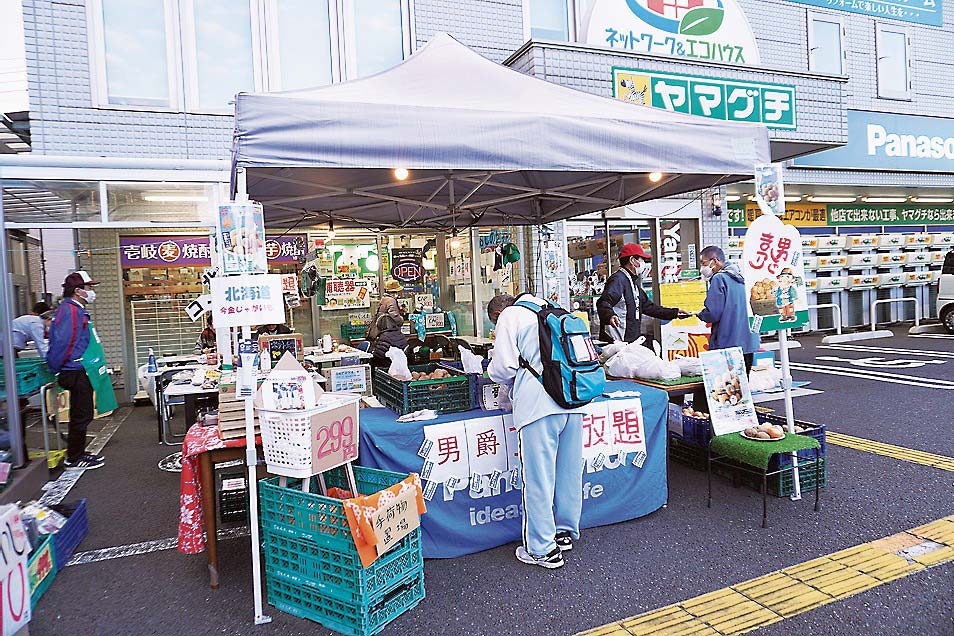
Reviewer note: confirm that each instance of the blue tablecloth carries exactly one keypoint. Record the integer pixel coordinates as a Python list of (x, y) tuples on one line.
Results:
[(460, 520)]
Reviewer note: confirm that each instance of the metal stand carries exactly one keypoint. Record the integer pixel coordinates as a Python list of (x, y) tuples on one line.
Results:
[(45, 418), (789, 412)]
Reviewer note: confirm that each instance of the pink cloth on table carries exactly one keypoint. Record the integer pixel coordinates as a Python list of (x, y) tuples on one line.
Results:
[(198, 440)]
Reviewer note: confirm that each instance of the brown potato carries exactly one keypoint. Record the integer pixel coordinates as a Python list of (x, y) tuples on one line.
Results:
[(750, 432), (763, 435), (775, 434)]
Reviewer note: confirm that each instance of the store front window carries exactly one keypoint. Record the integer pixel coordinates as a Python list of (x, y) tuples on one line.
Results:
[(136, 52), (184, 203), (549, 19), (303, 45), (29, 201), (377, 28), (222, 58)]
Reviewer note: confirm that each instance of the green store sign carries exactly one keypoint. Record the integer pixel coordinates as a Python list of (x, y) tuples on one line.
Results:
[(860, 215), (715, 98)]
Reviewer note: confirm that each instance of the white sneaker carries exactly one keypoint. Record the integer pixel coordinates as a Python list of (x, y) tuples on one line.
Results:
[(551, 561)]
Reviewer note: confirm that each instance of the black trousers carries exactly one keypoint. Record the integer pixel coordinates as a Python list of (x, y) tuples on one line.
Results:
[(699, 395), (81, 410)]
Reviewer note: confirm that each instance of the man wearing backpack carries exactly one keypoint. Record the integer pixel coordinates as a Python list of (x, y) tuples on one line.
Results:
[(550, 434), (623, 302)]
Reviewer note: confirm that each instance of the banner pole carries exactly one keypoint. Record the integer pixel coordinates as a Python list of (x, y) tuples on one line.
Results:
[(789, 412)]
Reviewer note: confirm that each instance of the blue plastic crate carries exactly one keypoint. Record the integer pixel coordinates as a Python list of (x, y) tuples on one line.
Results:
[(815, 431), (72, 533), (354, 619), (340, 574)]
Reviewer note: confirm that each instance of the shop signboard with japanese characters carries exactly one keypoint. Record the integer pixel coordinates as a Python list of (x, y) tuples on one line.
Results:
[(774, 275), (346, 293), (797, 214), (478, 454), (153, 250), (915, 11), (725, 99), (14, 572), (247, 300), (240, 234), (710, 30), (846, 215), (727, 390)]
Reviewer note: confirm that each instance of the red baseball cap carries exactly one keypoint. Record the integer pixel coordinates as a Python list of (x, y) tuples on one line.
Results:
[(79, 279), (634, 249)]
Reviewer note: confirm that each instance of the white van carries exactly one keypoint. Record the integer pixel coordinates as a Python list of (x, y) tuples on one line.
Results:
[(945, 293)]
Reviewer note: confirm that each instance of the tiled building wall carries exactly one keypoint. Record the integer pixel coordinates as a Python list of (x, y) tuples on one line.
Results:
[(494, 28), (99, 255)]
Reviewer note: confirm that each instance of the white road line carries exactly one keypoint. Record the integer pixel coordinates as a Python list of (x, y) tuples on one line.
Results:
[(57, 492), (942, 336), (146, 547), (906, 352), (893, 378)]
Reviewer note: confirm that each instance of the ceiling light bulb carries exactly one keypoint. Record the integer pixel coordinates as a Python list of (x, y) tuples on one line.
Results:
[(455, 243), (401, 174), (655, 176), (372, 262)]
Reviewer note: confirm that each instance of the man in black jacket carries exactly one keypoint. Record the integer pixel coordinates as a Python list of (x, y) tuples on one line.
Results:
[(623, 301)]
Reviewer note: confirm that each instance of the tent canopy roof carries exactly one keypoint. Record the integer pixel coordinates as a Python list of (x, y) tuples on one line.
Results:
[(484, 144)]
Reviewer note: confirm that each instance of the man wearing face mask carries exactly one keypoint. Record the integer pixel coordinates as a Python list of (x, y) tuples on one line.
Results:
[(76, 354), (726, 309), (623, 301)]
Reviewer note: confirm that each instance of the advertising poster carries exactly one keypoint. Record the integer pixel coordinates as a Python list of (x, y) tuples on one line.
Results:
[(769, 190), (240, 233), (552, 256), (727, 390), (685, 337), (774, 275), (346, 293)]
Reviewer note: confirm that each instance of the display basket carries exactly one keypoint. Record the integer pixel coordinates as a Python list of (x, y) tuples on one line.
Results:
[(351, 333), (698, 431), (290, 439), (71, 534), (477, 384), (312, 567), (32, 373), (446, 395), (42, 569)]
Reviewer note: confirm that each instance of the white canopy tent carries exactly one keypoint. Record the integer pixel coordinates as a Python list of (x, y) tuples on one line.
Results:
[(485, 145)]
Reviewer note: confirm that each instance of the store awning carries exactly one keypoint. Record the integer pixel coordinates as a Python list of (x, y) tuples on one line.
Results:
[(484, 144)]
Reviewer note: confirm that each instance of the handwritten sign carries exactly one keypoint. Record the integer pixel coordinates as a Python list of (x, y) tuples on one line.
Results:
[(14, 572), (276, 346), (247, 300), (395, 520), (774, 272), (335, 437)]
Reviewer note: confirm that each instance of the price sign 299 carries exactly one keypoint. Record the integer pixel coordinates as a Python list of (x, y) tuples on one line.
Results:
[(335, 437)]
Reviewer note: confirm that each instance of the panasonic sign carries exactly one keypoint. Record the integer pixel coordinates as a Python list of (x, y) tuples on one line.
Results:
[(889, 141), (906, 145)]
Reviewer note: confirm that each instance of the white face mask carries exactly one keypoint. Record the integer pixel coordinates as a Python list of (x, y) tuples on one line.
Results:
[(89, 295), (643, 269), (706, 272)]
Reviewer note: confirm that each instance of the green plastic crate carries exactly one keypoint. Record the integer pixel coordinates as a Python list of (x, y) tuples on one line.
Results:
[(305, 601), (32, 373), (350, 333), (340, 574), (42, 569), (290, 512), (446, 395)]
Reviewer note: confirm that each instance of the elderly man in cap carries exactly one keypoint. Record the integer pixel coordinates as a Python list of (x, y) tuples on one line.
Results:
[(76, 354), (623, 301)]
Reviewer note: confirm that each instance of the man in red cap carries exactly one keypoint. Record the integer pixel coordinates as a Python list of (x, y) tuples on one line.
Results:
[(623, 301), (72, 340)]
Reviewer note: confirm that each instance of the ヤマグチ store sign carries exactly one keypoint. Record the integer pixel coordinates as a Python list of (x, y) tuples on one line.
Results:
[(918, 11), (725, 99), (712, 30)]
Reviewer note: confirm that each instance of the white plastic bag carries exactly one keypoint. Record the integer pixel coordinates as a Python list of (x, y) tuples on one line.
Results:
[(764, 379), (636, 361), (472, 362), (689, 366), (398, 368)]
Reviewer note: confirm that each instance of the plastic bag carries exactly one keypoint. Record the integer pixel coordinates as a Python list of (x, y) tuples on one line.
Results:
[(689, 366), (398, 368), (764, 379), (471, 362), (636, 361)]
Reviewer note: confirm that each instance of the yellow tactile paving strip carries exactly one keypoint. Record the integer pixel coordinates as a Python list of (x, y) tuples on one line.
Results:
[(794, 590), (888, 450)]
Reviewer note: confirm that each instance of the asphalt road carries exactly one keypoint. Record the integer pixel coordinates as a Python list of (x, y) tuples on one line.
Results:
[(678, 552)]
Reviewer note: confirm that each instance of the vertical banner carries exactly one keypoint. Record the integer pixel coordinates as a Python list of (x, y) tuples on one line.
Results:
[(552, 256), (769, 190), (774, 275), (727, 391), (240, 234)]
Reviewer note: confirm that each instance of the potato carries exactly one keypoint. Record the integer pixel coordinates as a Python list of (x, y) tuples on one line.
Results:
[(698, 414), (763, 435), (750, 432), (775, 433)]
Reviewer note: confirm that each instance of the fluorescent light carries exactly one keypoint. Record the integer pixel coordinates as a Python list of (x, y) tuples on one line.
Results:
[(831, 199), (884, 199), (933, 199), (175, 198), (655, 176), (792, 198), (732, 198)]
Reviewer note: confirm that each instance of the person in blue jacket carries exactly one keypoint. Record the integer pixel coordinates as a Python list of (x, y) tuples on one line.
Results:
[(726, 309), (69, 339), (623, 301)]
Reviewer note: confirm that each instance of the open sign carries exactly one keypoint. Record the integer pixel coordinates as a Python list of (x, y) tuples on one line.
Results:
[(407, 266), (407, 272)]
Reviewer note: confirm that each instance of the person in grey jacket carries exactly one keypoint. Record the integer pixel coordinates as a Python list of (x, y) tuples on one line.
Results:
[(385, 330), (623, 301)]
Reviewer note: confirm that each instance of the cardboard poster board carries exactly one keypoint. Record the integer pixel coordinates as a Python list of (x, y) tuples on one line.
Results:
[(727, 390)]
